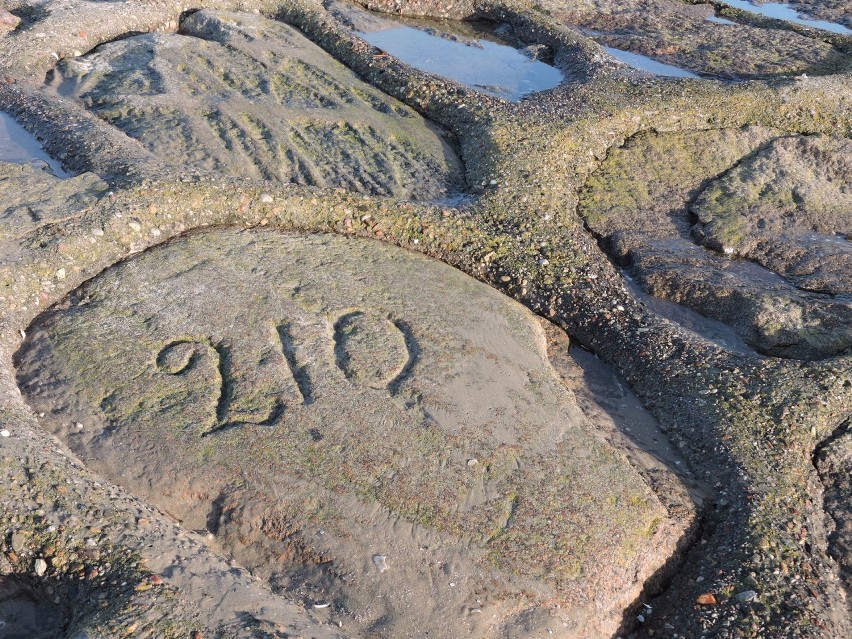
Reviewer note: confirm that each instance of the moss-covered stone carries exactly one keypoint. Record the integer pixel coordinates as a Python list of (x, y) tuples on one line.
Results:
[(245, 96), (788, 208)]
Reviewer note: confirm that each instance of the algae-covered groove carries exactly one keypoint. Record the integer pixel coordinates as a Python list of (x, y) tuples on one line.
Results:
[(657, 586)]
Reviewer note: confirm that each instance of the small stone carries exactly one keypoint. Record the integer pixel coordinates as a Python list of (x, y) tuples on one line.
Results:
[(8, 21), (40, 567), (60, 274), (18, 542), (381, 562), (543, 261), (707, 599), (266, 198), (4, 433), (156, 580), (135, 225), (747, 595), (472, 462)]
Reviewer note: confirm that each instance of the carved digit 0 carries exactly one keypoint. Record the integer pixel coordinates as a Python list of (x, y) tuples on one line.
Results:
[(373, 350)]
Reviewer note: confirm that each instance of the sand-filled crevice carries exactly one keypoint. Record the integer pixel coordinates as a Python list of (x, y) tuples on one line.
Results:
[(833, 461)]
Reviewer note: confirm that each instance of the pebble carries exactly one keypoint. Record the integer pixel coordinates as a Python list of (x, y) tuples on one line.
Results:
[(381, 562), (135, 226), (8, 21), (40, 567), (747, 595), (60, 274), (266, 198), (17, 542), (4, 433)]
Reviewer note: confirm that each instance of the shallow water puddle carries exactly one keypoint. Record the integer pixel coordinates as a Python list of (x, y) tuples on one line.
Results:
[(496, 69), (719, 20), (644, 63), (782, 11), (18, 145)]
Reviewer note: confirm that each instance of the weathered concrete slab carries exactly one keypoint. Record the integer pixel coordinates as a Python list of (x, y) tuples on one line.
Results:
[(245, 96), (640, 199), (371, 420), (31, 197), (788, 208)]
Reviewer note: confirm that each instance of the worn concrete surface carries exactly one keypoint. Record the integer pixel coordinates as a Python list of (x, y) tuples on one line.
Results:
[(760, 432)]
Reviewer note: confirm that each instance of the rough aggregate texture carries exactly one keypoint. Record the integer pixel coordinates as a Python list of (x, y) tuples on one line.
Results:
[(753, 428), (834, 463)]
